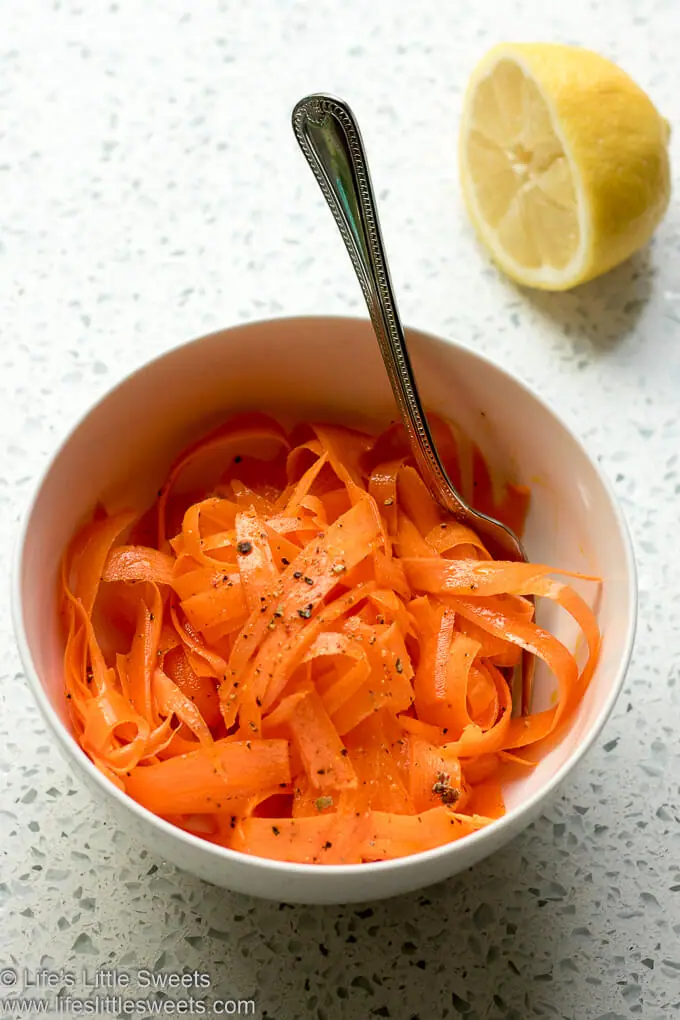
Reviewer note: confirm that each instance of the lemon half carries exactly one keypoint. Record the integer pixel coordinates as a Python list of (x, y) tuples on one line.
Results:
[(564, 162)]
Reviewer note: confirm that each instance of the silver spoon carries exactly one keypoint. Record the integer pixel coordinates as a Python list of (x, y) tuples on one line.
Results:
[(328, 134)]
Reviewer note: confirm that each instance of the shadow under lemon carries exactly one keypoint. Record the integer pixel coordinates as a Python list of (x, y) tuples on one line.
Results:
[(597, 316)]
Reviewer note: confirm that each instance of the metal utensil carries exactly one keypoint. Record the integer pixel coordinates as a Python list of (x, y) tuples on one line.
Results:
[(329, 137)]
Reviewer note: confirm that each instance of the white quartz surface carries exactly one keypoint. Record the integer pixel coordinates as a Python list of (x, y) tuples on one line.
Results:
[(150, 191)]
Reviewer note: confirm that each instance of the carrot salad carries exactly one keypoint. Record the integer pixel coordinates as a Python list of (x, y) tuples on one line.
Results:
[(296, 654)]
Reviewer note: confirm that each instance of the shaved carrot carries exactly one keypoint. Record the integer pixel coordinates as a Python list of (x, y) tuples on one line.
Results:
[(321, 839), (201, 780), (391, 835), (432, 778), (296, 654), (319, 745), (137, 563)]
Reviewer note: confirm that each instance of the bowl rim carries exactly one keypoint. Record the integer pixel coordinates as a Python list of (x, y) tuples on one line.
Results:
[(194, 843)]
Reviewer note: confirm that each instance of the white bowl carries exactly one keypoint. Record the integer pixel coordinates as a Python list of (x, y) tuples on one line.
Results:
[(325, 368)]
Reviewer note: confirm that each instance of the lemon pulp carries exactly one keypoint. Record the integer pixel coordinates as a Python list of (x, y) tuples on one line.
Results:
[(564, 162)]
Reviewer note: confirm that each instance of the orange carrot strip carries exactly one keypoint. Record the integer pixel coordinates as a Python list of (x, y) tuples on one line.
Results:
[(200, 781), (473, 578), (274, 725), (487, 799), (200, 690), (477, 770), (87, 556), (170, 700), (416, 500), (196, 580), (450, 535), (238, 429), (432, 778), (137, 563), (534, 639), (113, 730), (143, 655), (327, 838), (345, 448), (282, 651), (435, 624), (295, 600), (383, 488), (339, 692), (308, 802), (390, 835), (474, 741), (217, 610), (304, 485), (389, 682), (409, 541), (300, 606), (372, 752), (204, 661), (256, 563), (420, 729), (322, 751)]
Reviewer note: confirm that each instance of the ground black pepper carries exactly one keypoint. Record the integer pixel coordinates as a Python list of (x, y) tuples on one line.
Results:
[(442, 788)]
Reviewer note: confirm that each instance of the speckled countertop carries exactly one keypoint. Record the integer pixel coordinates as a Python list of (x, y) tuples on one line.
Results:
[(151, 191)]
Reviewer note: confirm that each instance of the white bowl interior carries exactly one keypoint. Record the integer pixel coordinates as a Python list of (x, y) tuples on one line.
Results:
[(330, 369)]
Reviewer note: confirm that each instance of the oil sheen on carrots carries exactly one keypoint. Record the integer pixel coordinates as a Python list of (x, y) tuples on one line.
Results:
[(294, 653)]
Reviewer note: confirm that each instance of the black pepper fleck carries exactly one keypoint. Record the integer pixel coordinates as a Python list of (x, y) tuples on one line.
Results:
[(442, 788)]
